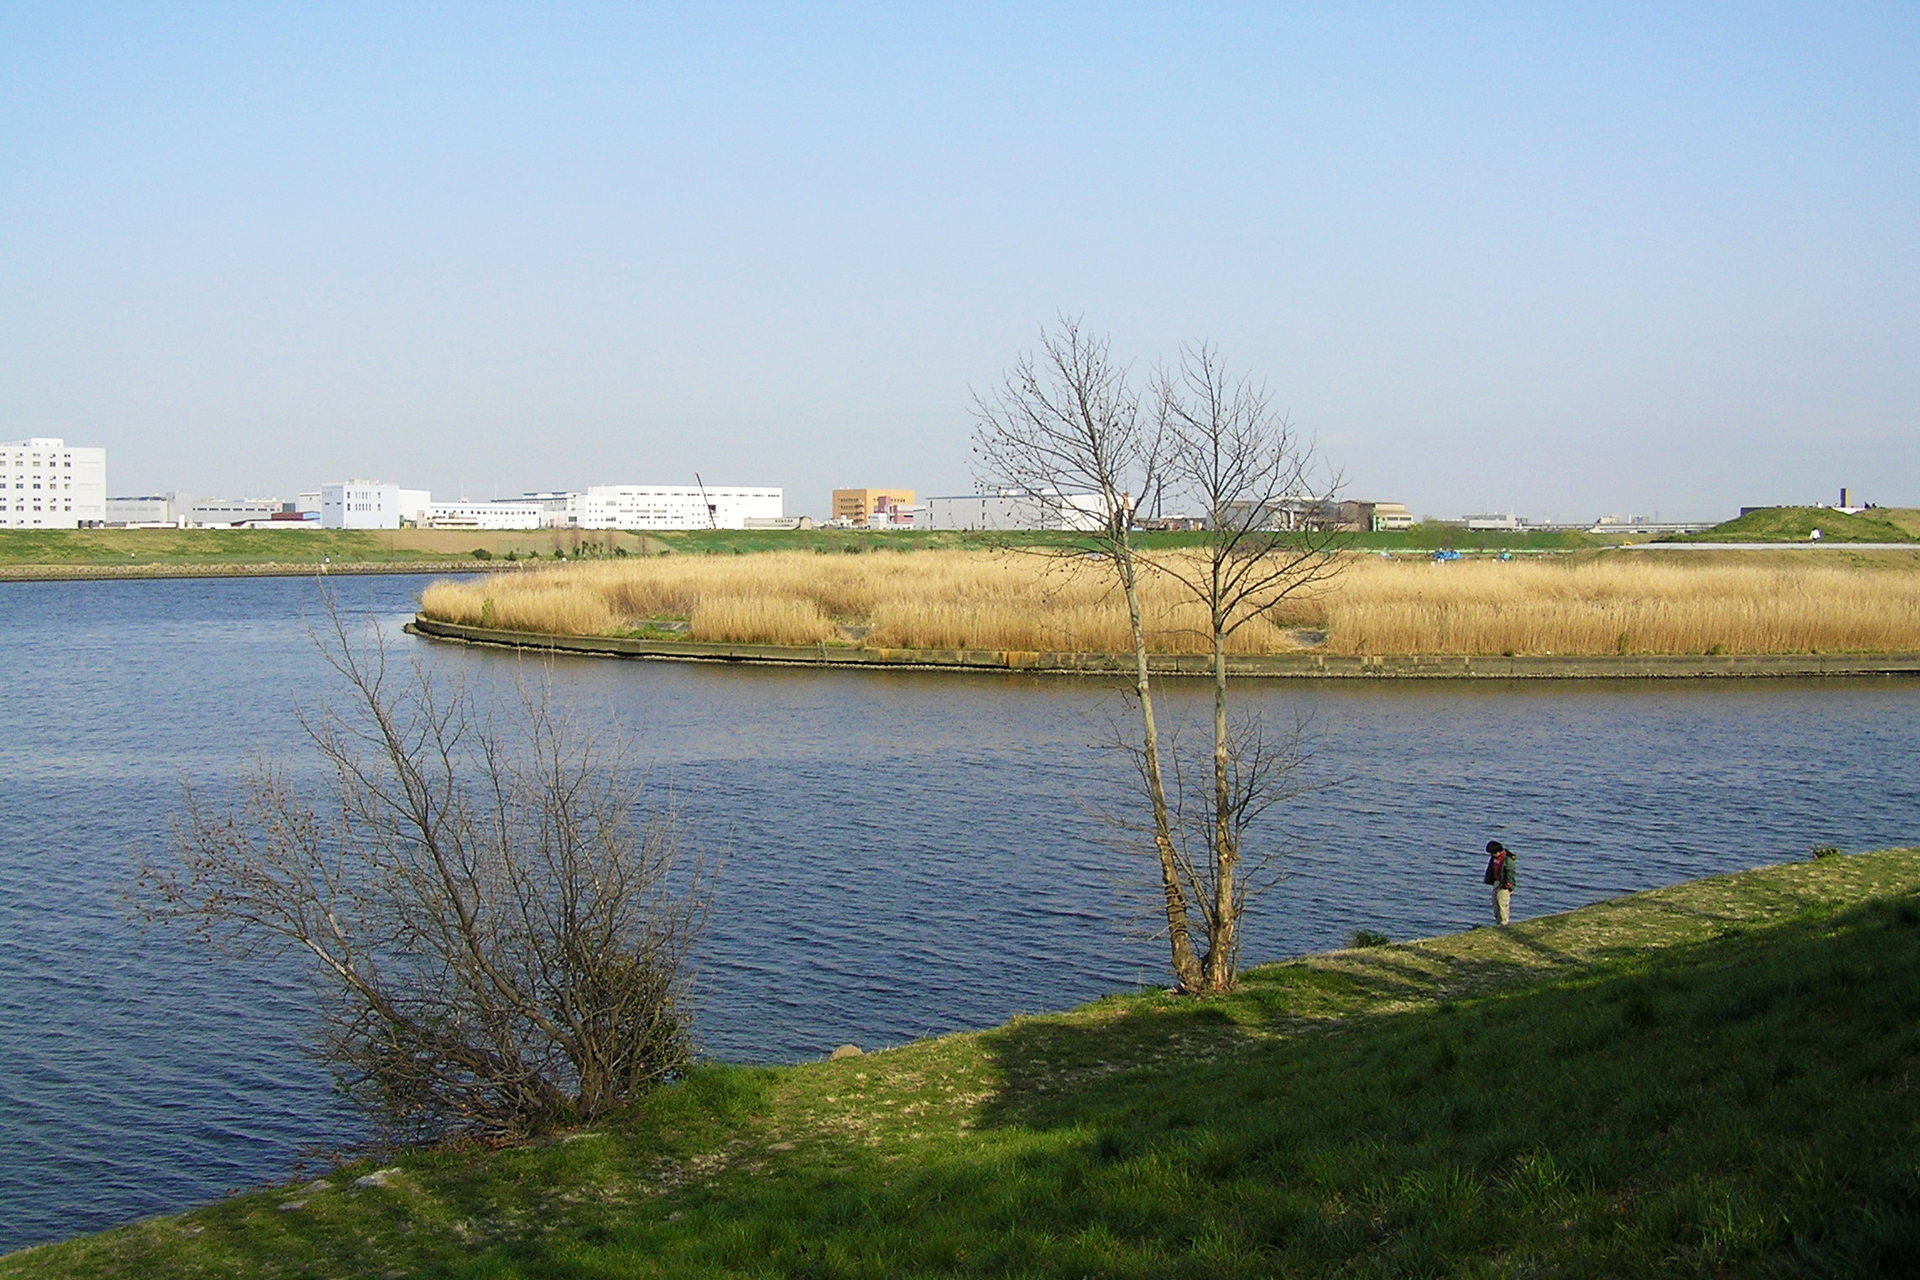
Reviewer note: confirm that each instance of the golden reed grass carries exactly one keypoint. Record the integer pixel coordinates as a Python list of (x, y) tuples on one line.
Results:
[(983, 600)]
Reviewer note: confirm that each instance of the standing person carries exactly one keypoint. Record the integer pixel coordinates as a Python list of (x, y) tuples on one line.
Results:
[(1500, 875)]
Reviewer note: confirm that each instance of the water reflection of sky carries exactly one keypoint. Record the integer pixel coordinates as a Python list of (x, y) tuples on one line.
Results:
[(907, 853)]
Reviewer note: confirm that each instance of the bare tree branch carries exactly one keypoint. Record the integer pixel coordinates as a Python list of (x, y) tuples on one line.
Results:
[(1064, 422), (1261, 490), (503, 925)]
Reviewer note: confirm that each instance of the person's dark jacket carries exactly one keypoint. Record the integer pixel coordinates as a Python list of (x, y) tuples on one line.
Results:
[(1506, 871)]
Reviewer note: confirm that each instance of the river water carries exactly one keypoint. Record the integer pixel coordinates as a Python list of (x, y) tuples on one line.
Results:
[(906, 853)]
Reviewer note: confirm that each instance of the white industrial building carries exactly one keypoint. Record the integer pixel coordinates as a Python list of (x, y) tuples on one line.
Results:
[(371, 504), (47, 484), (177, 510), (214, 513), (150, 509), (483, 515), (572, 510), (1011, 509), (667, 507)]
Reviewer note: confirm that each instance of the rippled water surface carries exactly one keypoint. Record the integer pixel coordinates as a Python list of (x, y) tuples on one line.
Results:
[(907, 853)]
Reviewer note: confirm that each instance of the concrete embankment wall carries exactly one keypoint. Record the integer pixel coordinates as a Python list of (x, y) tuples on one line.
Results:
[(1289, 665)]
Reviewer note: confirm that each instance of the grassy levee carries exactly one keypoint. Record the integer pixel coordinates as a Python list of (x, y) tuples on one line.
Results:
[(24, 551), (1718, 1078), (1796, 524)]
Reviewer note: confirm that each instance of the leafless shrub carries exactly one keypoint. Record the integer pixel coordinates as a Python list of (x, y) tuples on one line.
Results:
[(501, 924)]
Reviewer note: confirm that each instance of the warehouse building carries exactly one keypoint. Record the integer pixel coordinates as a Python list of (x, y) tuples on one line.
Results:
[(1011, 509), (669, 506), (483, 515)]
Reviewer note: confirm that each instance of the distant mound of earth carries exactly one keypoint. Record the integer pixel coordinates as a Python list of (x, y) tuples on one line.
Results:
[(1796, 524)]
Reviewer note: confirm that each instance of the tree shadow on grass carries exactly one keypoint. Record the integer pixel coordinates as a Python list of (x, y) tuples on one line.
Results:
[(1757, 1076)]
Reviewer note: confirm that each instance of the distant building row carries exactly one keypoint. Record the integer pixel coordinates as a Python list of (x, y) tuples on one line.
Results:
[(1081, 512), (364, 505), (370, 504)]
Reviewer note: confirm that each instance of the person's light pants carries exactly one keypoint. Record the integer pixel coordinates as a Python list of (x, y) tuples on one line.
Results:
[(1502, 899)]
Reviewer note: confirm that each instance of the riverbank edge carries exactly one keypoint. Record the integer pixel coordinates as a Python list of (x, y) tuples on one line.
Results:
[(1399, 977), (267, 569), (1308, 666)]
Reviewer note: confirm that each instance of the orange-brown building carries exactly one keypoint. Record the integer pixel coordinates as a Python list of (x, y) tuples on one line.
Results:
[(859, 506)]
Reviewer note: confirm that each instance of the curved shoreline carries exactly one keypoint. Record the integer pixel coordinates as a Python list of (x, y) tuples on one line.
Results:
[(1309, 666)]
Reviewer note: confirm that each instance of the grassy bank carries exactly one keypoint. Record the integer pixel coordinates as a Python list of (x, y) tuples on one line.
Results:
[(949, 599), (1717, 1078), (106, 548), (27, 549), (23, 551), (1796, 524)]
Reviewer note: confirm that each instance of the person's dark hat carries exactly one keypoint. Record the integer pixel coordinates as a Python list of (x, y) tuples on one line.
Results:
[(1494, 846)]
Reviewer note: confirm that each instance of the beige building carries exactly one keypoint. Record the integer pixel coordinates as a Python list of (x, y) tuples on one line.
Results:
[(860, 506), (1389, 516)]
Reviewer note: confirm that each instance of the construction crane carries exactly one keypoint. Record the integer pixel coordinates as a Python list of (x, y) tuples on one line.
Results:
[(713, 519)]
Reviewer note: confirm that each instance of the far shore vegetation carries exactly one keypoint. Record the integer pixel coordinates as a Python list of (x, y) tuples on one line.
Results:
[(1715, 1078), (1644, 601), (24, 552)]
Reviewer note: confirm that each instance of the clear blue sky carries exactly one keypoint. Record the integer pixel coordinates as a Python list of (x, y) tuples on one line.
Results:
[(1566, 260)]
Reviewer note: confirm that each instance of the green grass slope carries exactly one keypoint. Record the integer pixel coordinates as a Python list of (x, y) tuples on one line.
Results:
[(218, 548), (132, 549), (1714, 1079), (1796, 524)]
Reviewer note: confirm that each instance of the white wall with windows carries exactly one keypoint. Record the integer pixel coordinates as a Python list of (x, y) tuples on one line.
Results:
[(482, 515), (146, 508), (1060, 511), (213, 512), (668, 506), (561, 510), (371, 504), (45, 483)]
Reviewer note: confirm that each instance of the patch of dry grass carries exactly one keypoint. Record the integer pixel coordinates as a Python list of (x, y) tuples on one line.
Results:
[(1591, 605), (923, 600), (983, 600)]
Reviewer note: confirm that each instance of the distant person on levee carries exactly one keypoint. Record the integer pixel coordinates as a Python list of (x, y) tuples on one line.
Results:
[(1500, 876)]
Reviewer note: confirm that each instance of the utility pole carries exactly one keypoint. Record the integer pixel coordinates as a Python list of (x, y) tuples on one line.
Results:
[(713, 517)]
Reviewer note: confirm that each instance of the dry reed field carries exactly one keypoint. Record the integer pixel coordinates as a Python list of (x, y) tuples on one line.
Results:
[(986, 600)]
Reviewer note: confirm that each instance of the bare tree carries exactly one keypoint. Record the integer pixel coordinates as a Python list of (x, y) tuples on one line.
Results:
[(503, 928), (1269, 508), (1066, 421)]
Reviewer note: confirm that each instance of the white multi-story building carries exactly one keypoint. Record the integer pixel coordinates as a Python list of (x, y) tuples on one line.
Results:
[(483, 515), (664, 506), (1008, 509), (371, 504), (47, 484)]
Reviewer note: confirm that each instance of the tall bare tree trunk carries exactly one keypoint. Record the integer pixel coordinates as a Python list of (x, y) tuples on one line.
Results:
[(1222, 940), (1186, 965)]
